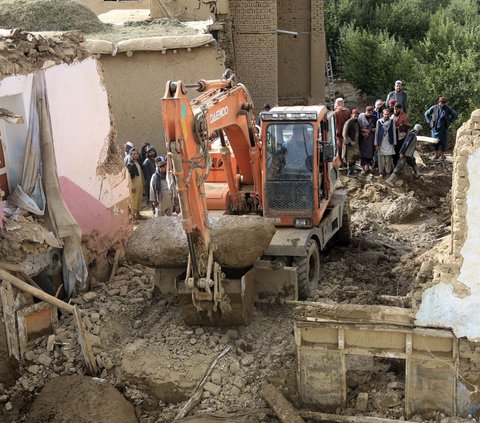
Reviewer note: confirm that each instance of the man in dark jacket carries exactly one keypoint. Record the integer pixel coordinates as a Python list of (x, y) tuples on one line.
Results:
[(439, 117), (148, 166), (351, 137)]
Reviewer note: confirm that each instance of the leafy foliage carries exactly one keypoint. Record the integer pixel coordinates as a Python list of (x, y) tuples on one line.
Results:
[(432, 46)]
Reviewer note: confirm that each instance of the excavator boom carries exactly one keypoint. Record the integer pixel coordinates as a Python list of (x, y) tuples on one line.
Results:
[(224, 108)]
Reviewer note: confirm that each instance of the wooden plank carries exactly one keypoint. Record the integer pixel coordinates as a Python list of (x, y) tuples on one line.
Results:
[(353, 313), (282, 408), (115, 265), (18, 283), (343, 367), (334, 418), (12, 267), (85, 343), (7, 296), (408, 374)]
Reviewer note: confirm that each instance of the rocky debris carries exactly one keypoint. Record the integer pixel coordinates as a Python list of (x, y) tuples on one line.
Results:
[(137, 343), (403, 209), (48, 15), (161, 242), (362, 402), (100, 402), (25, 52)]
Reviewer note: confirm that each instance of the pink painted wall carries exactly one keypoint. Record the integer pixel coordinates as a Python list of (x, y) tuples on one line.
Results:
[(90, 213)]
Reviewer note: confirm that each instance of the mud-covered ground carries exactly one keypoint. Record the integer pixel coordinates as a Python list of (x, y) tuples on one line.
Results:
[(144, 349)]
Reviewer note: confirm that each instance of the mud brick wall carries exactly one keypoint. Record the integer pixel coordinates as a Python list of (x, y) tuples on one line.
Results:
[(467, 144), (453, 298), (254, 25), (301, 59)]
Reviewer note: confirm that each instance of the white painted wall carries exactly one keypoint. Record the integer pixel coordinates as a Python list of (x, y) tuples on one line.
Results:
[(440, 306), (81, 125), (15, 94)]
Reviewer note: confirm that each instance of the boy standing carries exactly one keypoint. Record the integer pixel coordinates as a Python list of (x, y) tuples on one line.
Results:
[(161, 194)]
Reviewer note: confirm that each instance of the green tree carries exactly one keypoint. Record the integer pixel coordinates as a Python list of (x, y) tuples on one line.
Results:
[(372, 61)]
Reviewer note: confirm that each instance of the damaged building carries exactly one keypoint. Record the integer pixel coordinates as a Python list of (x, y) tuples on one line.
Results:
[(67, 105), (64, 210)]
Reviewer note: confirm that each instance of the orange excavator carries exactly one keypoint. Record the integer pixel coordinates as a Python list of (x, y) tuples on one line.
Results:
[(285, 172)]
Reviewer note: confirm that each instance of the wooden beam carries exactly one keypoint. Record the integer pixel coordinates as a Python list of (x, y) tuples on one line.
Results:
[(197, 392), (352, 313), (85, 343), (6, 294), (283, 409), (115, 265), (12, 267), (334, 418), (18, 283)]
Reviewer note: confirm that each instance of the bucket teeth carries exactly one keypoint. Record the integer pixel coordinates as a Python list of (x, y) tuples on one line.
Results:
[(239, 313)]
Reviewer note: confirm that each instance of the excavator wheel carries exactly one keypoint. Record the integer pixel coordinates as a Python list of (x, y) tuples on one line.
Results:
[(344, 234), (308, 270)]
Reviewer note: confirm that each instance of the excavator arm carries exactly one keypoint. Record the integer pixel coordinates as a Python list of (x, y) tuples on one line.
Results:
[(225, 108)]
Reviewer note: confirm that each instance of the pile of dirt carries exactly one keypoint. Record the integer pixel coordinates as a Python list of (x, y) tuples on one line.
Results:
[(49, 15), (381, 264), (80, 399)]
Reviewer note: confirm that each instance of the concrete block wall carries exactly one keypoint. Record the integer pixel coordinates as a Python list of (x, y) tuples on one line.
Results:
[(254, 25)]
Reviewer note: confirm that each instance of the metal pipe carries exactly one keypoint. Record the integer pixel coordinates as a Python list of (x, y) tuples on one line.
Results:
[(283, 31)]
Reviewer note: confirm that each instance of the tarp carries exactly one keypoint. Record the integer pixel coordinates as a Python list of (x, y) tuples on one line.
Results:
[(29, 194), (74, 267)]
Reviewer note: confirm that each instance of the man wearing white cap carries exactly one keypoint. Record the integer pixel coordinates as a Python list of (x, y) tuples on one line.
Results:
[(399, 95), (126, 148)]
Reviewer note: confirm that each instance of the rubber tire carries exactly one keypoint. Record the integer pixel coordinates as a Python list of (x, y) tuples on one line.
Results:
[(308, 270), (344, 234)]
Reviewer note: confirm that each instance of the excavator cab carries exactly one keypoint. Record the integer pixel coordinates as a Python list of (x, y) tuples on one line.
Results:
[(293, 144), (301, 172)]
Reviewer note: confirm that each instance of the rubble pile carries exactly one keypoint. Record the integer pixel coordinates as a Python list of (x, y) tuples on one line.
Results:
[(385, 255), (143, 348), (24, 52), (48, 15), (24, 236)]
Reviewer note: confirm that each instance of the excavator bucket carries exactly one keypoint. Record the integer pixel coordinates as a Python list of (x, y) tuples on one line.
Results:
[(240, 293)]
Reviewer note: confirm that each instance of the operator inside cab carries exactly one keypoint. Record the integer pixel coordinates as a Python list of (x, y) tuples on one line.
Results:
[(289, 151)]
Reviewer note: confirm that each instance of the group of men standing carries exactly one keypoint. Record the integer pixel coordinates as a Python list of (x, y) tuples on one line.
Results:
[(381, 136), (148, 176)]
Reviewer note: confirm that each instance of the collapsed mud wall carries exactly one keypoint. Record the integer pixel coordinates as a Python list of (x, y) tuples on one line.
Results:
[(90, 168), (453, 298), (136, 79)]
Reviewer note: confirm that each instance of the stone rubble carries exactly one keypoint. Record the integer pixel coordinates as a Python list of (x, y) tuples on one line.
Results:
[(143, 348)]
